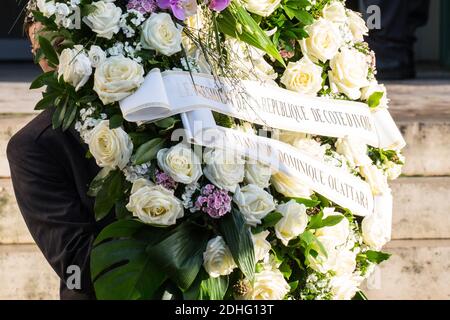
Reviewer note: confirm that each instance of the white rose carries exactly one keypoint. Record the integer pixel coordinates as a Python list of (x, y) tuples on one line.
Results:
[(335, 12), (376, 179), (311, 147), (262, 246), (323, 42), (48, 8), (303, 77), (290, 187), (373, 87), (341, 260), (75, 67), (96, 55), (110, 147), (104, 20), (217, 259), (140, 183), (223, 169), (339, 233), (261, 7), (293, 223), (345, 287), (349, 70), (254, 203), (116, 78), (181, 163), (160, 33), (268, 285), (354, 150), (155, 205), (289, 137), (375, 232), (258, 173), (357, 26)]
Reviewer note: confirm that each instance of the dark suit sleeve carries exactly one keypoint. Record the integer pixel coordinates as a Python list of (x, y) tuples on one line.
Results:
[(52, 211)]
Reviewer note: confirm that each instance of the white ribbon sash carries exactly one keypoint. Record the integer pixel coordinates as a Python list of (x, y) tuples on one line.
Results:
[(174, 92)]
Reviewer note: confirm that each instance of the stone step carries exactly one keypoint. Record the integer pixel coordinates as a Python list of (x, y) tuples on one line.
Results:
[(413, 218), (417, 270)]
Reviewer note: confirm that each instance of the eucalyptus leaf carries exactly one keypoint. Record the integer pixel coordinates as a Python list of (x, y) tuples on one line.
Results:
[(48, 50)]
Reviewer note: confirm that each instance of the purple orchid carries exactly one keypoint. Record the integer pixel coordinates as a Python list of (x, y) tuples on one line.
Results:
[(180, 8), (219, 5)]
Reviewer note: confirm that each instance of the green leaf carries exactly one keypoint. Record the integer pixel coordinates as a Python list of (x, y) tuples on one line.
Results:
[(360, 296), (59, 113), (48, 50), (42, 80), (119, 229), (286, 269), (70, 115), (317, 221), (166, 123), (97, 182), (269, 221), (180, 255), (148, 151), (374, 99), (115, 121), (304, 17), (110, 192), (214, 288), (307, 202), (47, 101), (139, 138), (239, 239), (311, 245), (377, 256)]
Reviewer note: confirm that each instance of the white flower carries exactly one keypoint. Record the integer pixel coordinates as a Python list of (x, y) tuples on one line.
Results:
[(254, 203), (373, 87), (303, 77), (335, 12), (289, 137), (48, 8), (104, 20), (337, 234), (116, 78), (181, 163), (110, 147), (375, 231), (154, 205), (323, 42), (258, 173), (96, 55), (341, 261), (262, 246), (393, 170), (311, 147), (293, 223), (354, 150), (160, 33), (376, 179), (262, 7), (223, 169), (290, 187), (217, 259), (345, 287), (349, 70), (75, 67), (268, 285), (357, 26)]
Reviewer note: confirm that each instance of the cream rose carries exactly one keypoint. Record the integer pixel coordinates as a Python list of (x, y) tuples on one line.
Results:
[(335, 12), (339, 233), (116, 78), (258, 173), (181, 163), (323, 42), (354, 150), (375, 231), (155, 205), (96, 55), (160, 33), (75, 67), (104, 20), (345, 287), (217, 259), (376, 179), (349, 71), (311, 147), (110, 147), (303, 77), (339, 260), (262, 7), (268, 285), (254, 203), (293, 223), (357, 26), (223, 169), (290, 187), (373, 87), (261, 245)]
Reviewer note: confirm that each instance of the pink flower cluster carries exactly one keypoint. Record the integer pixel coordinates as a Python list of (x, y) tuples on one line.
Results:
[(163, 179), (143, 6), (214, 201)]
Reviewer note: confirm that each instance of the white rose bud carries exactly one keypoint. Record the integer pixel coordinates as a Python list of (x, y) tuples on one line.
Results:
[(376, 179), (357, 26), (223, 169), (116, 78), (262, 246), (258, 174), (303, 77), (254, 203), (104, 20), (155, 205), (339, 233), (217, 259), (262, 7), (180, 163), (335, 12), (349, 71), (110, 147), (354, 150), (373, 87), (293, 223), (160, 33), (96, 55), (268, 285), (323, 42), (290, 187), (75, 67)]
